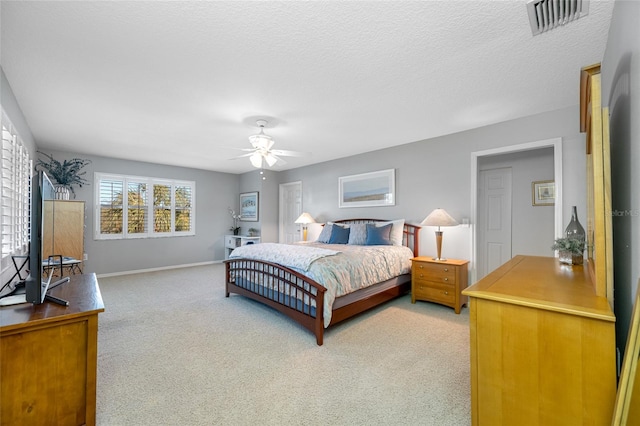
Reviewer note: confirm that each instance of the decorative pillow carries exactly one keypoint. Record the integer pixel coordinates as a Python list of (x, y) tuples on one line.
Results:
[(358, 234), (378, 235), (397, 231), (325, 234), (339, 235)]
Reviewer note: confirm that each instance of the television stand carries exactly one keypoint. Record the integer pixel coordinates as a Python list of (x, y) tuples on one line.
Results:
[(55, 299), (56, 381)]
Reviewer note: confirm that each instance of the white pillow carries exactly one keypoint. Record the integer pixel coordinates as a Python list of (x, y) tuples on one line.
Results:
[(397, 231)]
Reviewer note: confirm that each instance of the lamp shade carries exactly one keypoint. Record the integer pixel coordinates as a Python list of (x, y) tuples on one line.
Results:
[(305, 218), (439, 217)]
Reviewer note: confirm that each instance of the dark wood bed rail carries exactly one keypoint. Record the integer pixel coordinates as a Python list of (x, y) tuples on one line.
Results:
[(283, 289), (299, 297)]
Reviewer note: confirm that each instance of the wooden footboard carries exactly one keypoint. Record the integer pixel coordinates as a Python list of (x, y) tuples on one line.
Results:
[(291, 293)]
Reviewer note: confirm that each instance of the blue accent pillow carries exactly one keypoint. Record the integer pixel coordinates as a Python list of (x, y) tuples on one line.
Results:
[(339, 235), (325, 234), (378, 235)]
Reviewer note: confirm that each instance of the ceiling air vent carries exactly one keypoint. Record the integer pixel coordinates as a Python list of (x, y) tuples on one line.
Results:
[(545, 15)]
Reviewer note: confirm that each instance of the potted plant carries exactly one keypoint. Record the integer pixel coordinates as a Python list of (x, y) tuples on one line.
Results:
[(570, 250), (253, 232), (65, 174), (235, 228)]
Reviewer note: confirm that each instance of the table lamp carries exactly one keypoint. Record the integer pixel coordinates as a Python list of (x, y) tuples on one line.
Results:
[(305, 219), (439, 218)]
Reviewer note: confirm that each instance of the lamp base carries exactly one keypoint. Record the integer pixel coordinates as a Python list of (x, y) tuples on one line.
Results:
[(440, 259)]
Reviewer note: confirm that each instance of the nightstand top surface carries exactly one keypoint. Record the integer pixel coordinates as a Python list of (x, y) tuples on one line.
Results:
[(444, 262)]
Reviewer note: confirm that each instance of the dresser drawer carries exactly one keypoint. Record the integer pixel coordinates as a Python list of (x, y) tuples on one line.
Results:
[(435, 272), (436, 292)]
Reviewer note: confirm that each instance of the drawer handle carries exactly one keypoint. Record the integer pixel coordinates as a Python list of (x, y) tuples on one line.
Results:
[(421, 266), (446, 279), (446, 292), (446, 269)]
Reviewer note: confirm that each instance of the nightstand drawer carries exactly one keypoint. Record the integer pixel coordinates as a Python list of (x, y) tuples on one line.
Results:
[(435, 292), (435, 272)]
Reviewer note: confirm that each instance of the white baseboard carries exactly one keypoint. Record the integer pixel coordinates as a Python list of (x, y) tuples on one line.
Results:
[(161, 268)]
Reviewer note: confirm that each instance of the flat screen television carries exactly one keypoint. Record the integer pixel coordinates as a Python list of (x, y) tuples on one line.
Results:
[(42, 232)]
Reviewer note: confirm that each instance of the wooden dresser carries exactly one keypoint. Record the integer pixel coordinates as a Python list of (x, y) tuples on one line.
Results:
[(49, 357), (68, 240), (542, 346), (439, 281)]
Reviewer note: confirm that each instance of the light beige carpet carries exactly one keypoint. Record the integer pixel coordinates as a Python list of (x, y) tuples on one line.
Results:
[(172, 350)]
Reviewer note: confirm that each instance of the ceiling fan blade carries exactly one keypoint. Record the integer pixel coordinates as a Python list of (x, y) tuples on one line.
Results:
[(241, 156), (286, 153), (272, 159)]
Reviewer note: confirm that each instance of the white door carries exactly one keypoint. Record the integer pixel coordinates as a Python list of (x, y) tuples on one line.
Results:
[(494, 219), (290, 209)]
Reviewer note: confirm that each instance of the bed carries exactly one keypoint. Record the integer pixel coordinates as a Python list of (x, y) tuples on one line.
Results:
[(313, 290)]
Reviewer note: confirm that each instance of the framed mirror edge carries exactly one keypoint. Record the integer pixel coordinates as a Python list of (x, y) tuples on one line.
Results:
[(629, 382)]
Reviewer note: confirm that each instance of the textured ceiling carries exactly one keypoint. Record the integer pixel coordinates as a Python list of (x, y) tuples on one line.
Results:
[(181, 83)]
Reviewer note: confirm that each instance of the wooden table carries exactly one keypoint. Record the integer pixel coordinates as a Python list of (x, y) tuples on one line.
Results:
[(49, 357)]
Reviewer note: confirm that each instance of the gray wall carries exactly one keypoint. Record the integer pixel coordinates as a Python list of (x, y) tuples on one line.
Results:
[(621, 92), (12, 108), (436, 173), (532, 226), (215, 192)]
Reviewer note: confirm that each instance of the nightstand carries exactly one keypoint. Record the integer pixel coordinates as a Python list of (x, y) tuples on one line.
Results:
[(439, 281), (233, 241)]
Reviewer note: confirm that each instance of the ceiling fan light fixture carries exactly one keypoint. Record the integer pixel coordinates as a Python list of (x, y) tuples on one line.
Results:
[(256, 160), (261, 140), (270, 159)]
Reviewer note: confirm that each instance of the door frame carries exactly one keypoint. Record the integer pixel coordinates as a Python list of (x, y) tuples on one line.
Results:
[(556, 144)]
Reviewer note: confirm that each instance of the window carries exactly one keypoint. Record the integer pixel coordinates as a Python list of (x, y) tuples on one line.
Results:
[(15, 171), (154, 207)]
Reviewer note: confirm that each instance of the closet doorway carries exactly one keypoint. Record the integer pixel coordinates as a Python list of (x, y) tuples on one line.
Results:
[(491, 244)]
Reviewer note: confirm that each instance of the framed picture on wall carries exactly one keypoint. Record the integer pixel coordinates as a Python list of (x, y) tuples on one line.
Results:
[(368, 189), (543, 193), (249, 206)]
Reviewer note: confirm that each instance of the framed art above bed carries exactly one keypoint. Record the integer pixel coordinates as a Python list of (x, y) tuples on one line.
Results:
[(368, 189)]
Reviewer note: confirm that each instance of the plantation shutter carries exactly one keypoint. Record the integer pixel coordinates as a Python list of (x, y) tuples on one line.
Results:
[(137, 208), (143, 207), (162, 208), (111, 206), (183, 213), (15, 171)]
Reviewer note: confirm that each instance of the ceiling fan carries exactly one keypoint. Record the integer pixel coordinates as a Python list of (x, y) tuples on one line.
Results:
[(261, 153)]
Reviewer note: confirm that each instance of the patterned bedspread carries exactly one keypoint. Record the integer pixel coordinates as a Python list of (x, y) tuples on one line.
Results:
[(342, 269)]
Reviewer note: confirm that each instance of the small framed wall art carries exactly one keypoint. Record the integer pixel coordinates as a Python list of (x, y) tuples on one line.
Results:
[(543, 193), (249, 206)]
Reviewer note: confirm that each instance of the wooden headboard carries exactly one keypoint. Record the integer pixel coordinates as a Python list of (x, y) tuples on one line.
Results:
[(410, 233)]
